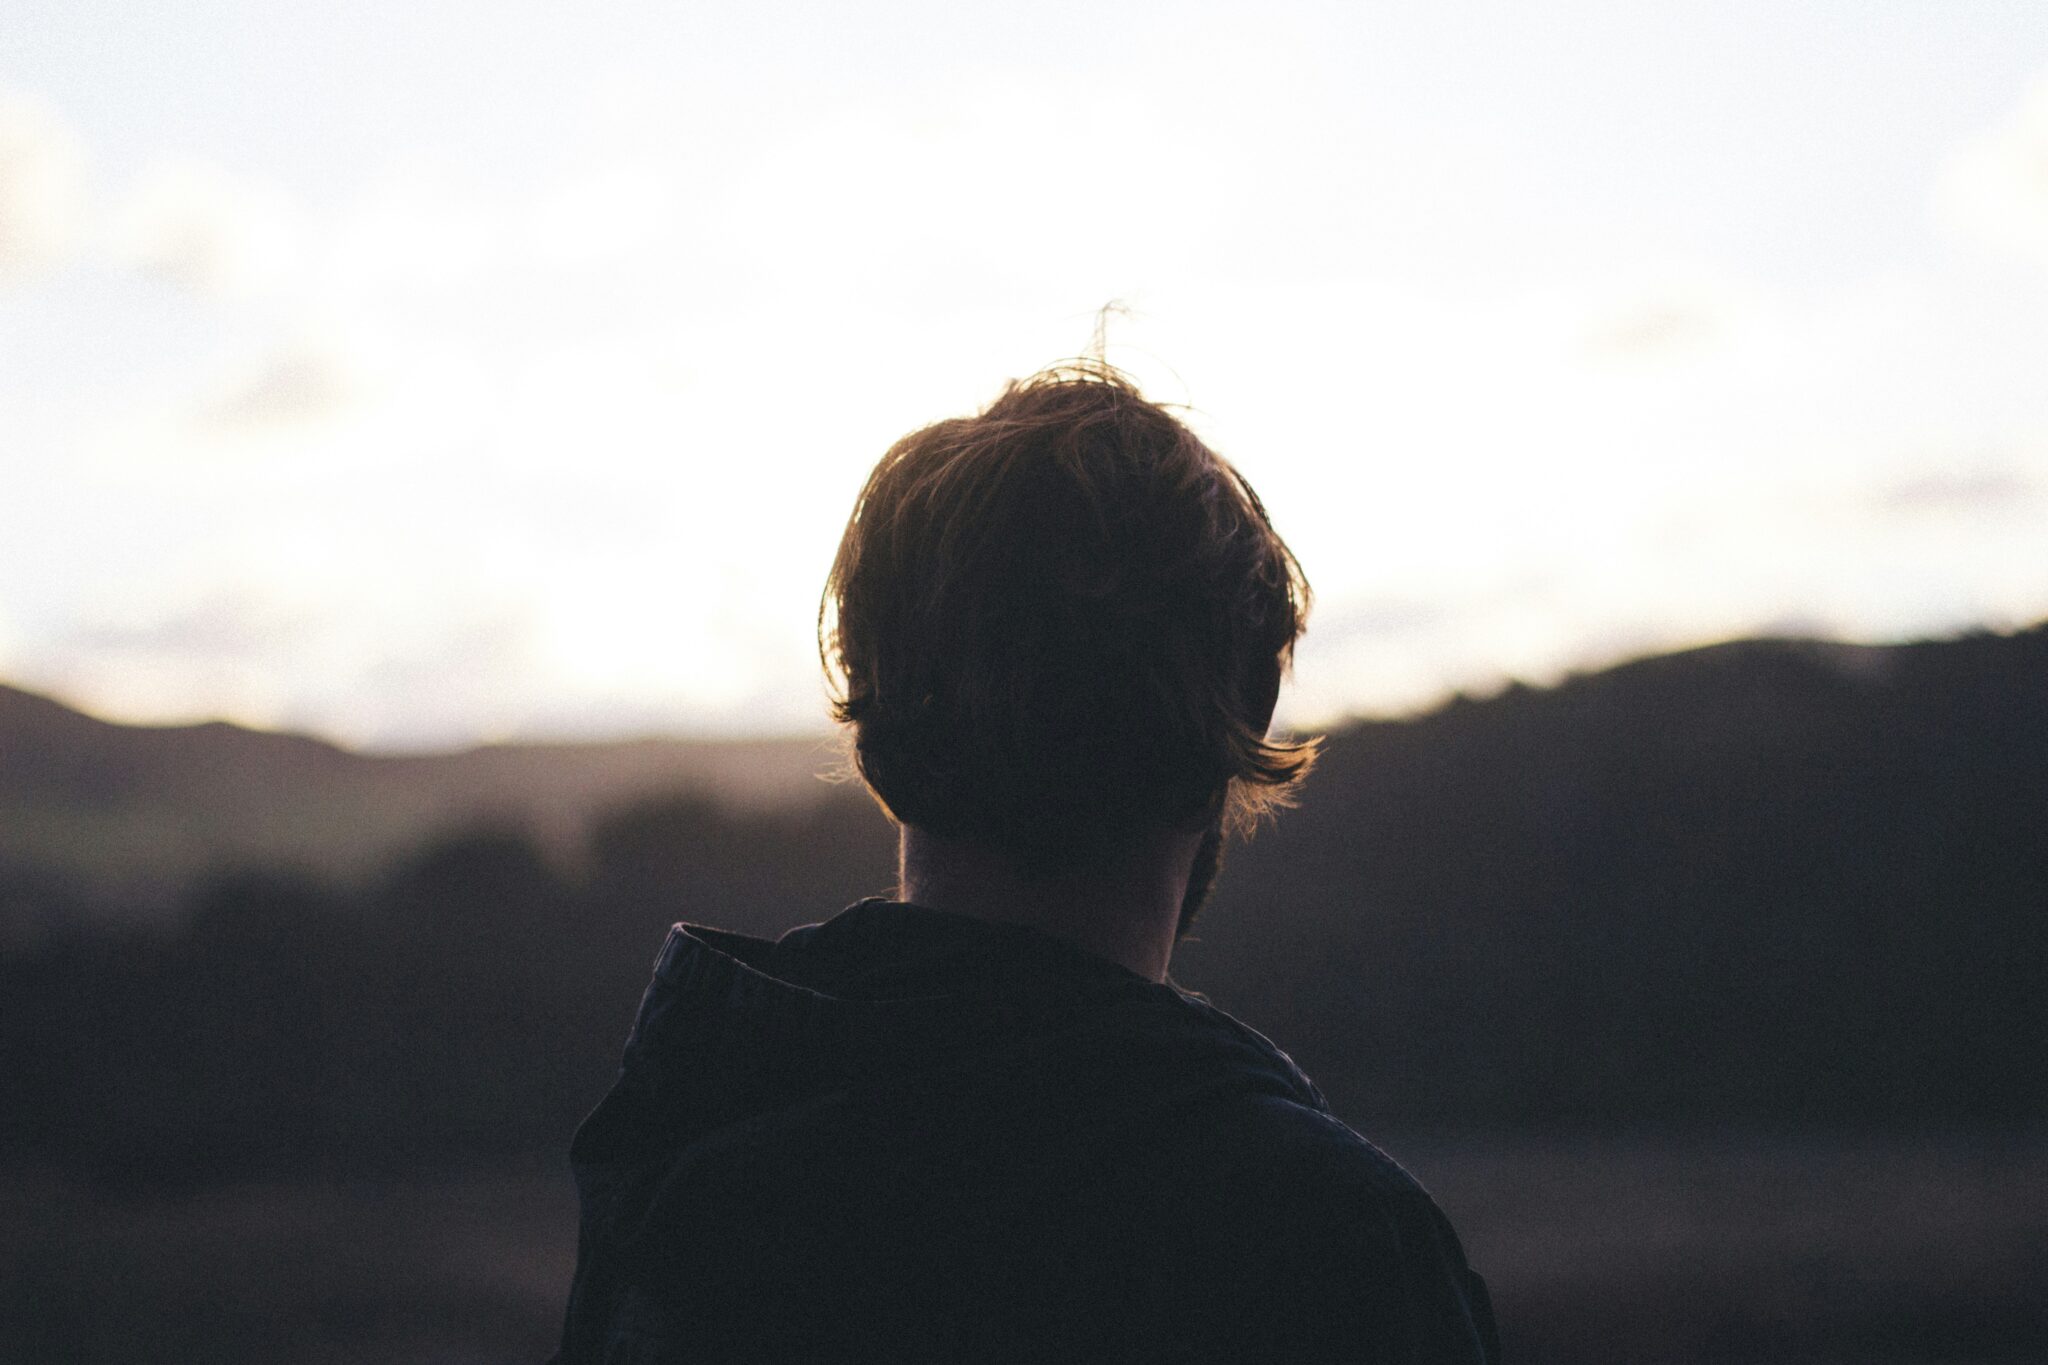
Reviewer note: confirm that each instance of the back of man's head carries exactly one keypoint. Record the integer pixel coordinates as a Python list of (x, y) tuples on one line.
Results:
[(1061, 625)]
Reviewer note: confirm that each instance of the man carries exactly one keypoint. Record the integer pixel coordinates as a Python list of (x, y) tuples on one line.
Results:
[(975, 1122)]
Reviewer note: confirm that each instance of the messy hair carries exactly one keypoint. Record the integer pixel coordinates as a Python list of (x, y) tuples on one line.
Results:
[(1062, 623)]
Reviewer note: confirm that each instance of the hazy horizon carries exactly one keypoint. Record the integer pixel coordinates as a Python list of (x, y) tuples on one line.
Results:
[(825, 730)]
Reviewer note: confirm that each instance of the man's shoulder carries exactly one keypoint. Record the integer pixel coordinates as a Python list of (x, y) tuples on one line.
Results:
[(1310, 1242), (1288, 1164), (1286, 1123), (1257, 1144), (1255, 1043)]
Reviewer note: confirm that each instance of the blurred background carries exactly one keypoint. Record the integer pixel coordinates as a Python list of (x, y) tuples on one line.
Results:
[(425, 429)]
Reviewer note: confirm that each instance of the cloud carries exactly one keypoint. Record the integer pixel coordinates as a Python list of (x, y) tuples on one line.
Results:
[(1680, 311), (196, 227), (465, 677), (41, 189), (232, 625), (170, 655), (1982, 489), (1657, 327), (1994, 189), (302, 384), (1379, 618)]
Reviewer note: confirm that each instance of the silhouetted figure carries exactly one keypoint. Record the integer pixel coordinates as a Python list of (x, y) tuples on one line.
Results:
[(977, 1122)]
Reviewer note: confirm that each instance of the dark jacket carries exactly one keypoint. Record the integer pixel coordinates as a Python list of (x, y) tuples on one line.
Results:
[(911, 1135)]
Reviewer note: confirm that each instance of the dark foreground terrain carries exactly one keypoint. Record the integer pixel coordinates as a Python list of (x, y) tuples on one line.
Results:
[(1696, 1248)]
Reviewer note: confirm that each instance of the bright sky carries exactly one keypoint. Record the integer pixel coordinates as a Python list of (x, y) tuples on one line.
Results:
[(428, 372)]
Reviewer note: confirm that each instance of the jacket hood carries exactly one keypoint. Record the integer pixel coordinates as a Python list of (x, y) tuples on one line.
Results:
[(735, 1029)]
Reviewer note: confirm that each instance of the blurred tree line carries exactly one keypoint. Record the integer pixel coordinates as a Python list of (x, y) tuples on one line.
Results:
[(1772, 883)]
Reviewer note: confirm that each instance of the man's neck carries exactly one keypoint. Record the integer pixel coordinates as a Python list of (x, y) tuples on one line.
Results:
[(1125, 911)]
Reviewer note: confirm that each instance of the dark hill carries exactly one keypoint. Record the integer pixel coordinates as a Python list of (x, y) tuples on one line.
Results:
[(1751, 878), (122, 817), (1771, 883)]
